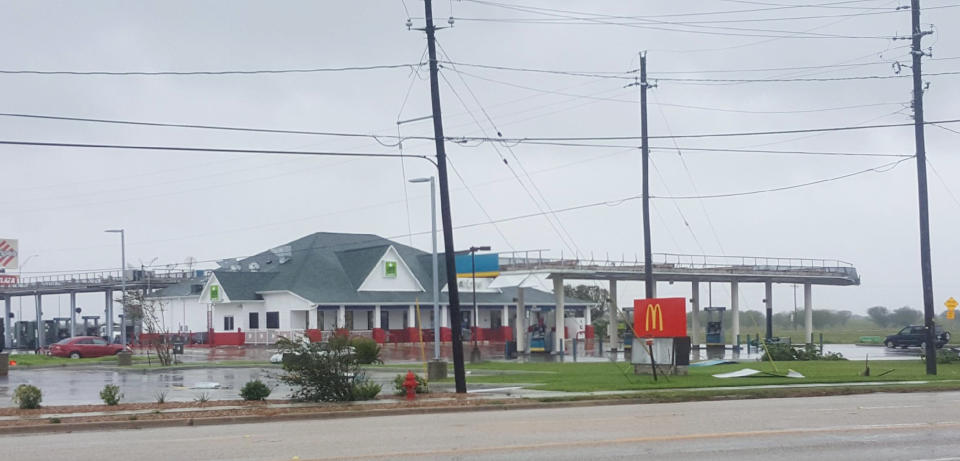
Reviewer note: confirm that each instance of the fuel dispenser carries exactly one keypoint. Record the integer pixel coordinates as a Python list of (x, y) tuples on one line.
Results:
[(714, 336), (91, 325)]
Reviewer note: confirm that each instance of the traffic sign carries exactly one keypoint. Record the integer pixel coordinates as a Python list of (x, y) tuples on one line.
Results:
[(951, 303)]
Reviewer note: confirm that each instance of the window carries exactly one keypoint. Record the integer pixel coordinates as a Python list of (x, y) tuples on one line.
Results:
[(228, 323), (320, 320), (254, 323), (370, 324), (97, 342), (273, 320), (347, 319)]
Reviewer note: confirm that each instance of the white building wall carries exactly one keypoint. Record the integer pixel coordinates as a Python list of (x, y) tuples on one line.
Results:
[(184, 313), (284, 303)]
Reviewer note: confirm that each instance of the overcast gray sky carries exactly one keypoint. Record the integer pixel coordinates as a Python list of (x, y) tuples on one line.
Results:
[(210, 206)]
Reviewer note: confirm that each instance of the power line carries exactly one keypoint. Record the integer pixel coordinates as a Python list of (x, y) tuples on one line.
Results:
[(312, 70), (456, 139), (795, 79), (572, 243), (211, 150), (878, 169)]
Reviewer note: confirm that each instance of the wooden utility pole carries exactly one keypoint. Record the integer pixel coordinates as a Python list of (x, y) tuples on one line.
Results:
[(459, 374), (926, 271)]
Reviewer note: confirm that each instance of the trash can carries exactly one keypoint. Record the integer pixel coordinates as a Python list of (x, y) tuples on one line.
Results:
[(510, 350)]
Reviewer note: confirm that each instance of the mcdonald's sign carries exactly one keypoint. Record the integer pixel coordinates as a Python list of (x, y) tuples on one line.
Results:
[(660, 317)]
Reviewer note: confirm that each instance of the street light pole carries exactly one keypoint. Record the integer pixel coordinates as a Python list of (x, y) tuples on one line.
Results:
[(436, 280), (123, 288)]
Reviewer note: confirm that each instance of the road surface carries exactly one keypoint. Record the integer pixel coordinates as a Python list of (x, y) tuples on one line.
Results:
[(921, 426)]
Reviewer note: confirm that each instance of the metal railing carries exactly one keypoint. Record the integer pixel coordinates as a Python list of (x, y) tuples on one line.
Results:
[(681, 262), (164, 276)]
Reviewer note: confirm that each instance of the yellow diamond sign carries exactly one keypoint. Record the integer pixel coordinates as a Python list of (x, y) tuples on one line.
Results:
[(951, 304)]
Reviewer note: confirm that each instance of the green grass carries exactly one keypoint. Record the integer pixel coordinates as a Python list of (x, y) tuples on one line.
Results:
[(32, 360), (586, 377)]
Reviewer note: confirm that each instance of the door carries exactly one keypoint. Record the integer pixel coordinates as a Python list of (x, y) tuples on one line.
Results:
[(99, 347)]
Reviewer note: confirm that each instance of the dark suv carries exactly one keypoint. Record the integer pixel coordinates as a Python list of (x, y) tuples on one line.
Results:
[(916, 335)]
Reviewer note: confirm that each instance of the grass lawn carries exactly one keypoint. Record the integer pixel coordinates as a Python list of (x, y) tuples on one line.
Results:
[(607, 376), (32, 360)]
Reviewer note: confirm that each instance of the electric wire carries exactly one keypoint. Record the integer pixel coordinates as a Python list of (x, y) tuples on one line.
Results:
[(572, 243)]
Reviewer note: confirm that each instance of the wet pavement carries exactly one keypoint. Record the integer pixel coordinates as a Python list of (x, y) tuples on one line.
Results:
[(81, 385)]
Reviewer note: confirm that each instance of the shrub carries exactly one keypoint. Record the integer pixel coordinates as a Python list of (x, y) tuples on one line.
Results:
[(366, 390), (255, 390), (110, 394), (27, 397), (422, 386), (321, 372), (202, 398), (366, 350), (54, 420), (160, 397), (944, 356), (788, 352)]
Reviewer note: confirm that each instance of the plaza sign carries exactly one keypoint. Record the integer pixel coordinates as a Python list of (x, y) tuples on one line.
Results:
[(7, 280), (8, 254)]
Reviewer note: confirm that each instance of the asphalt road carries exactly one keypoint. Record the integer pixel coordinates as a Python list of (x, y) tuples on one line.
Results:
[(921, 426)]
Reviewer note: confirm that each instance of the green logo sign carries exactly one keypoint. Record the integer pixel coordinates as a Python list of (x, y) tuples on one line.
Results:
[(214, 292), (390, 269)]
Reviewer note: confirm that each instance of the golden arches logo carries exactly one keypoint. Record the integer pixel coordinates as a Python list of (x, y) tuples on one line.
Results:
[(653, 320)]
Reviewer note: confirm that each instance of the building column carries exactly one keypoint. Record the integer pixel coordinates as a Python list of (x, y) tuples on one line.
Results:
[(808, 313), (313, 319), (695, 313), (587, 316), (505, 322), (108, 313), (411, 316), (735, 310), (7, 323), (73, 314), (614, 317), (558, 338), (379, 335), (341, 317), (39, 305), (444, 316), (768, 301), (521, 322)]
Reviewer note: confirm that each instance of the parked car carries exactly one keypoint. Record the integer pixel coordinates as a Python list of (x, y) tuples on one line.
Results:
[(84, 347), (916, 335)]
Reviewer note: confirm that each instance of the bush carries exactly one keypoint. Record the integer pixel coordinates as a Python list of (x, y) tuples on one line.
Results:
[(321, 372), (27, 397), (366, 350), (110, 394), (787, 352), (944, 356), (366, 390), (255, 390), (398, 389)]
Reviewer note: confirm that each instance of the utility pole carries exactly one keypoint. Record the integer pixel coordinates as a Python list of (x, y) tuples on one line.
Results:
[(645, 153), (459, 374), (926, 271)]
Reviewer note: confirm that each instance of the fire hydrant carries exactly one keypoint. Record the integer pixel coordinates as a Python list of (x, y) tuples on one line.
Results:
[(410, 384)]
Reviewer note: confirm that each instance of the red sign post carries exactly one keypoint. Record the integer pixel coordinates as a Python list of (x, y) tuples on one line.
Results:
[(660, 317)]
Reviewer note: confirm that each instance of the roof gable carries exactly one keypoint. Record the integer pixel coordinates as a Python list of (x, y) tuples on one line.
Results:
[(391, 273)]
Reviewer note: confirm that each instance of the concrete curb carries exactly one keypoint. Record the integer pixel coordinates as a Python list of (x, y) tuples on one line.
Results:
[(331, 415)]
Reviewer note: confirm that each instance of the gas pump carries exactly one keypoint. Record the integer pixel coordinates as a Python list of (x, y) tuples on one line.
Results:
[(714, 336), (26, 333), (61, 328), (91, 325), (538, 332)]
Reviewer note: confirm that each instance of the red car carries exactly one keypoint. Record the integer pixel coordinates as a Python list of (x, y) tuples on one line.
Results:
[(84, 346)]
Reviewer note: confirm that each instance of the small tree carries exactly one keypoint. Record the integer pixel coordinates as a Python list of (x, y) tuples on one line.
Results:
[(880, 315), (150, 313), (321, 372)]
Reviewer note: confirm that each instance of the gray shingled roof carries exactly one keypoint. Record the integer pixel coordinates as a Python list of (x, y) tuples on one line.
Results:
[(327, 268)]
